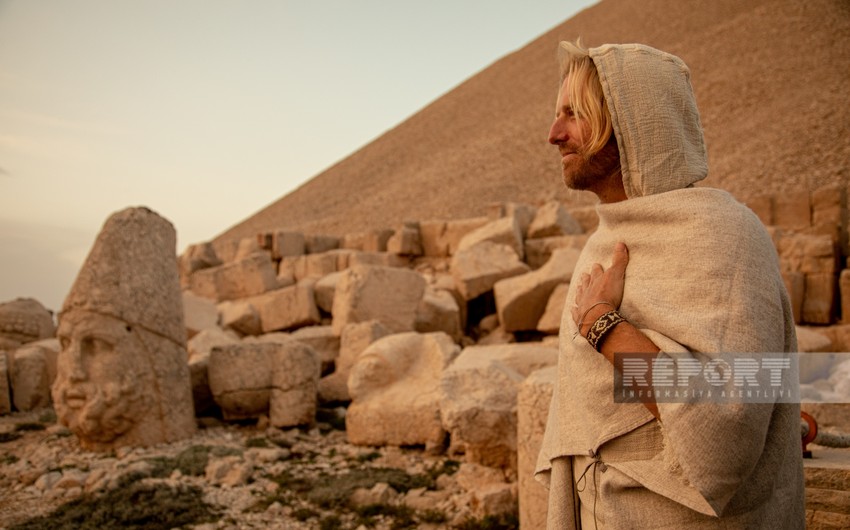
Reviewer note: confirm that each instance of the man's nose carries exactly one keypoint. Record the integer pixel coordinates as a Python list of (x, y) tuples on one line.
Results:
[(557, 133)]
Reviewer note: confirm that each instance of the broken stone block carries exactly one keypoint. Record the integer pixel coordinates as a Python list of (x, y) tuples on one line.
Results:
[(535, 394), (325, 289), (194, 258), (250, 276), (240, 378), (287, 308), (379, 259), (819, 300), (371, 241), (323, 341), (287, 244), (203, 283), (320, 265), (442, 238), (524, 213), (354, 339), (406, 241), (390, 295), (586, 217), (199, 348), (521, 300), (240, 316), (394, 387), (438, 311), (5, 391), (199, 313), (503, 231), (827, 204), (476, 269), (251, 246), (844, 290), (230, 471), (32, 375), (316, 244), (538, 251), (25, 320), (478, 399), (550, 322), (553, 220), (295, 377), (792, 211)]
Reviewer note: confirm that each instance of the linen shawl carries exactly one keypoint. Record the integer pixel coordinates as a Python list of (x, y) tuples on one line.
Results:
[(702, 279)]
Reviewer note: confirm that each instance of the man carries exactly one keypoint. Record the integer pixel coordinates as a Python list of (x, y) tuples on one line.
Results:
[(682, 274)]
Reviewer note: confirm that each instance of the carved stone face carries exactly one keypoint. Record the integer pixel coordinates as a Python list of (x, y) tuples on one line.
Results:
[(99, 390)]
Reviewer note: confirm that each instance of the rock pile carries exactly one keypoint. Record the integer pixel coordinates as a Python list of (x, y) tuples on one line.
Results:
[(439, 335)]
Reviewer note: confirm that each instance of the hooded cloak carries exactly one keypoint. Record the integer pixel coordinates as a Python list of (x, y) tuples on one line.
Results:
[(703, 279)]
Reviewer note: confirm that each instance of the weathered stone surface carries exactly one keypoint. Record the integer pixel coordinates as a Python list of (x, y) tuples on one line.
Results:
[(439, 311), (795, 284), (394, 386), (476, 269), (287, 244), (844, 294), (819, 300), (295, 377), (199, 348), (762, 206), (521, 300), (316, 244), (379, 259), (792, 211), (806, 253), (287, 308), (505, 231), (442, 238), (811, 340), (5, 390), (323, 341), (533, 399), (550, 322), (250, 276), (240, 378), (32, 373), (406, 240), (325, 290), (25, 320), (354, 339), (839, 335), (524, 213), (387, 294), (199, 313), (538, 251), (194, 258), (123, 376), (240, 316), (228, 471), (371, 241), (478, 399), (251, 246), (553, 219)]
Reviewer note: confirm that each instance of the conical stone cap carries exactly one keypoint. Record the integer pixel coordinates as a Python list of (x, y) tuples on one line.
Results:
[(131, 274)]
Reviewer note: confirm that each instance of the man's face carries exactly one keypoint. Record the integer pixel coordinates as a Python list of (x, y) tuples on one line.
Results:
[(569, 134), (98, 389)]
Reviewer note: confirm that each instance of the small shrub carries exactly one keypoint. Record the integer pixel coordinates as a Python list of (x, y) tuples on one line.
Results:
[(331, 522), (506, 521), (368, 457), (433, 517), (8, 459), (47, 416), (29, 426), (8, 437), (303, 514), (257, 442)]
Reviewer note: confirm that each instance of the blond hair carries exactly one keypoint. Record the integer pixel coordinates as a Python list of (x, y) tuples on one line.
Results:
[(585, 91)]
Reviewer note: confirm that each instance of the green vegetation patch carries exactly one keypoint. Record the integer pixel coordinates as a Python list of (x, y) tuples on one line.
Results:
[(334, 491), (134, 506)]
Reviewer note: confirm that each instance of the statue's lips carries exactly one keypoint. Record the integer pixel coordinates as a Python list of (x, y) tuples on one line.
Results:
[(75, 398)]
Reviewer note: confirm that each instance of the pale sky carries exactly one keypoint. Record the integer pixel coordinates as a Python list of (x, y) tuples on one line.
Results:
[(208, 110)]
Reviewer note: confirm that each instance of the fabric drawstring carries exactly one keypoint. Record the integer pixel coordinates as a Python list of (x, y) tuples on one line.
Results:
[(596, 463)]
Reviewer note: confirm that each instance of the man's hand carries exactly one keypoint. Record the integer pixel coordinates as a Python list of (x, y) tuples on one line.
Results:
[(600, 291)]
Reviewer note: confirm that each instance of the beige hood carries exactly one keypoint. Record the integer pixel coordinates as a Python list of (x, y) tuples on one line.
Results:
[(657, 128)]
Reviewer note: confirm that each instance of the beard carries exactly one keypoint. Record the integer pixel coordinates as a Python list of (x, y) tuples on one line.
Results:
[(590, 173), (108, 410)]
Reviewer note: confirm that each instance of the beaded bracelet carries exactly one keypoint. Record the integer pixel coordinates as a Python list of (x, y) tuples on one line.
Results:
[(602, 326)]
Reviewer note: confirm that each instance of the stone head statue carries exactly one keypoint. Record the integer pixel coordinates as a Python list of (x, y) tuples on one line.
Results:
[(123, 375)]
